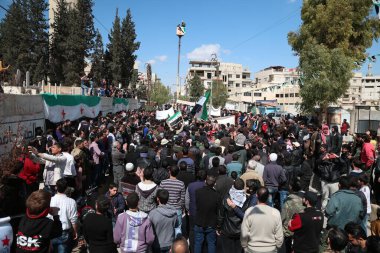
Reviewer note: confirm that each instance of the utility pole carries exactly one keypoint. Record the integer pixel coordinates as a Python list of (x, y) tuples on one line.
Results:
[(181, 30), (216, 63)]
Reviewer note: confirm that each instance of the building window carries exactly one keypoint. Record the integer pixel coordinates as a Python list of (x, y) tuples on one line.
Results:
[(237, 76), (229, 90), (229, 76), (286, 95), (247, 94), (224, 78), (244, 85), (297, 95), (230, 82), (277, 95), (244, 77), (281, 95), (292, 95), (208, 75), (237, 85), (257, 94), (369, 87)]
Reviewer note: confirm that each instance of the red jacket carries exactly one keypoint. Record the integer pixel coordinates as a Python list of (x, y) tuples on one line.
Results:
[(367, 155), (30, 170)]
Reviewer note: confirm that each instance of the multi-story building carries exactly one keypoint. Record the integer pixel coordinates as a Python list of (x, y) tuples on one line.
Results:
[(233, 75), (279, 84)]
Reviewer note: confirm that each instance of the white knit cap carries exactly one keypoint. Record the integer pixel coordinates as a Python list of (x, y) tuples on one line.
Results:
[(273, 157), (129, 167)]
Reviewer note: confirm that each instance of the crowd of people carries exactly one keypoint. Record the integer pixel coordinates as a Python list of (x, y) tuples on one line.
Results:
[(259, 185), (103, 89)]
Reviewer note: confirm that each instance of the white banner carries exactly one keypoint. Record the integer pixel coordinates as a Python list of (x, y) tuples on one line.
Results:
[(183, 102), (15, 132), (161, 115), (215, 111), (225, 120)]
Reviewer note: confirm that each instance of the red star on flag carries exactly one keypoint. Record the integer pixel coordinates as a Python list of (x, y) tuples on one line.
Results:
[(81, 110), (5, 241), (63, 114)]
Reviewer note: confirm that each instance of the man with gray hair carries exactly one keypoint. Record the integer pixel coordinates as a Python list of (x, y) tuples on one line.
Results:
[(251, 173), (259, 166), (118, 162)]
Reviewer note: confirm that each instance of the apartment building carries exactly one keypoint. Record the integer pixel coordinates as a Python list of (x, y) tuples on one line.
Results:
[(233, 75)]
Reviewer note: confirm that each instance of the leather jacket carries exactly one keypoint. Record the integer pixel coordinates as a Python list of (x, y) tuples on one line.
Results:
[(229, 222)]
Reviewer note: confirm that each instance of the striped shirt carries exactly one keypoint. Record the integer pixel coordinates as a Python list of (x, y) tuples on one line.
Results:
[(176, 189)]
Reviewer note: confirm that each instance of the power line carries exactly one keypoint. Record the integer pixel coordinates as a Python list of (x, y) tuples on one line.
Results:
[(275, 24), (101, 24)]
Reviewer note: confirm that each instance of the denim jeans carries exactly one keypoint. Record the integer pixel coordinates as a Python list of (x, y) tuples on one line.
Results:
[(84, 89), (328, 189), (272, 193), (178, 227), (364, 223), (283, 195), (199, 236), (63, 243)]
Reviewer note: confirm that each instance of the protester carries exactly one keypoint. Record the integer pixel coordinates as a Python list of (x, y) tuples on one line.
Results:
[(133, 230), (176, 189), (35, 230), (68, 216), (307, 226), (269, 237), (97, 228), (207, 206), (153, 152), (164, 220)]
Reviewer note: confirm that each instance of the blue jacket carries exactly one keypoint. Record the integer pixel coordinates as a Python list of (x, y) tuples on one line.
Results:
[(344, 206)]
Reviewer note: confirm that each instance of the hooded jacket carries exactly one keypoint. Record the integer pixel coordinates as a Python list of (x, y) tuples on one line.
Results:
[(133, 232), (147, 195), (164, 219), (35, 232)]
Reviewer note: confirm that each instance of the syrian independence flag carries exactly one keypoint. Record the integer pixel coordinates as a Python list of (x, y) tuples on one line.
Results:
[(120, 104), (70, 107), (175, 120), (6, 235), (200, 109)]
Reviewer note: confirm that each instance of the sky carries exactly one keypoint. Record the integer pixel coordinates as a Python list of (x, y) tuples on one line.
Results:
[(250, 32)]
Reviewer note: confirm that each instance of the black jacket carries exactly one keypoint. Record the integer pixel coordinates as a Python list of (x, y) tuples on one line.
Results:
[(207, 202), (230, 223), (34, 235), (307, 227)]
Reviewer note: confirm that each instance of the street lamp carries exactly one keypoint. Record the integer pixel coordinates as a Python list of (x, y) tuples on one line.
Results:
[(181, 30)]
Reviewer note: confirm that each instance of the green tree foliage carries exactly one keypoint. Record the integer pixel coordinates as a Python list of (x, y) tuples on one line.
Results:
[(97, 60), (72, 41), (116, 51), (85, 24), (73, 68), (130, 46), (39, 40), (334, 34), (219, 94), (160, 94), (58, 45), (24, 38), (196, 88)]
